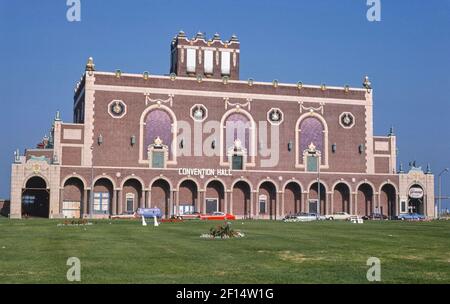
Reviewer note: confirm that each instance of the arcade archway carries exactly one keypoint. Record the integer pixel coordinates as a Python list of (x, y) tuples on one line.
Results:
[(292, 198), (215, 197), (415, 200), (36, 198), (364, 199), (73, 200), (313, 204), (188, 197), (241, 199), (103, 197), (388, 201), (160, 196), (267, 200), (131, 196), (341, 198)]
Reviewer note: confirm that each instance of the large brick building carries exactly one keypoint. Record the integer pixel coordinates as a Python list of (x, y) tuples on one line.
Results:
[(202, 139)]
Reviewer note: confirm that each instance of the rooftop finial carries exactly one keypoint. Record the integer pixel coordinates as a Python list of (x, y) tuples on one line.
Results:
[(216, 36), (400, 170), (90, 66), (367, 84), (199, 35), (428, 169), (181, 34), (58, 116), (391, 131), (234, 38)]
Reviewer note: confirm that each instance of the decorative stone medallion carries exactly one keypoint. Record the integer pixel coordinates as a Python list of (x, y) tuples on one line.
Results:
[(117, 109), (199, 112), (347, 120), (275, 116)]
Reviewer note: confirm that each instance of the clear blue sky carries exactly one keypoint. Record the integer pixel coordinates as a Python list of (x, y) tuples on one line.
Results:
[(406, 55)]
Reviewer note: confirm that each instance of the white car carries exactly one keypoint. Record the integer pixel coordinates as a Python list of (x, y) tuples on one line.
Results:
[(338, 216), (300, 217)]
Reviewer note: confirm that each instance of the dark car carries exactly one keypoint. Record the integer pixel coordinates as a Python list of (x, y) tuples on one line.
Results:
[(375, 216)]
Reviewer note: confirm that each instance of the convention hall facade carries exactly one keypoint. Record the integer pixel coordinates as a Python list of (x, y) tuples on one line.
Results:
[(200, 139)]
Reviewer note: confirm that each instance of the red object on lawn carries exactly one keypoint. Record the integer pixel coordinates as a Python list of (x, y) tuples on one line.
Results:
[(218, 216)]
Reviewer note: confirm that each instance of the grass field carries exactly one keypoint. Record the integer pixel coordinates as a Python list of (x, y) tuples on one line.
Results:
[(36, 251)]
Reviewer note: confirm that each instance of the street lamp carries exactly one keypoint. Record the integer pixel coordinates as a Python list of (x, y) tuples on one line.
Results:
[(440, 190)]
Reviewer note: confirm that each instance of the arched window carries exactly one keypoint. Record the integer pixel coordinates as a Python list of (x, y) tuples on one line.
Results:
[(312, 139), (238, 136), (158, 124), (237, 126), (311, 131)]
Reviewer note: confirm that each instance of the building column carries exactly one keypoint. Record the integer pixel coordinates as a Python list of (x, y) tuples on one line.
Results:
[(115, 202), (84, 206), (376, 202), (277, 204), (142, 199), (149, 199), (177, 201), (171, 203), (303, 201), (373, 202), (354, 207), (61, 199), (253, 202), (119, 202), (306, 202), (202, 202), (332, 203), (145, 198), (282, 203), (225, 203)]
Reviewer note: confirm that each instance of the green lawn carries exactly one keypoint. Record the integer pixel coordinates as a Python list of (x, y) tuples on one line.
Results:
[(36, 251)]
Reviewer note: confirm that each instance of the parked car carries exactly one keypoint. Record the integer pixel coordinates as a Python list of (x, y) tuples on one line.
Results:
[(217, 216), (148, 212), (338, 216), (411, 217), (189, 216), (290, 218), (301, 217), (375, 216), (318, 216)]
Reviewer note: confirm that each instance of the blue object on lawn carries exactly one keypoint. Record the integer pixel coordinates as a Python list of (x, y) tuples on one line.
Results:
[(411, 216), (149, 212)]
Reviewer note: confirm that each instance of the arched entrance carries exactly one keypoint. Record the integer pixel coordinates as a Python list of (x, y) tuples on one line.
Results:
[(364, 200), (103, 197), (36, 198), (313, 204), (415, 199), (241, 199), (292, 198), (160, 196), (341, 198), (73, 200), (388, 201), (267, 200), (215, 197), (131, 196), (188, 197)]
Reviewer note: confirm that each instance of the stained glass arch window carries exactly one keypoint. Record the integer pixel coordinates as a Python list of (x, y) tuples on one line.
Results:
[(311, 131), (158, 123)]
